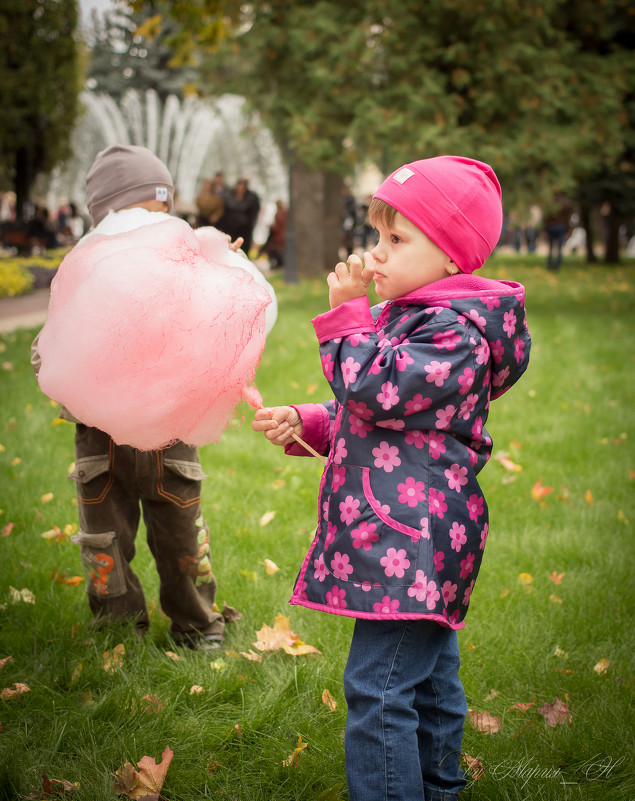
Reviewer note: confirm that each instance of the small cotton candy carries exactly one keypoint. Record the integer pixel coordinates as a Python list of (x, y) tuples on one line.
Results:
[(148, 339)]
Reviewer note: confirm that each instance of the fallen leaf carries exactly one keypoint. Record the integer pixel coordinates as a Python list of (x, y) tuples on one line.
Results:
[(174, 657), (239, 731), (196, 689), (230, 615), (560, 653), (281, 636), (555, 713), (588, 497), (51, 787), (294, 756), (491, 695), (555, 599), (483, 721), (522, 706), (252, 656), (556, 577), (328, 699), (525, 579), (507, 463), (538, 492), (474, 765), (5, 661), (278, 484), (267, 518), (146, 780), (6, 530), (113, 661), (248, 574), (47, 497), (602, 666), (8, 692), (271, 567), (212, 765), (26, 596), (77, 672)]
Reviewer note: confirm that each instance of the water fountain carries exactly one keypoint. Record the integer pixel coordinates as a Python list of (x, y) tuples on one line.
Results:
[(195, 137)]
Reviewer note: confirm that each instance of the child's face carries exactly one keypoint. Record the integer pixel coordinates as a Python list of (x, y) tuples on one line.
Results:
[(405, 259)]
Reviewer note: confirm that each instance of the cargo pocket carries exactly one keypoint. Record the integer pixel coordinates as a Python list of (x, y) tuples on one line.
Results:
[(93, 478), (102, 563), (180, 481)]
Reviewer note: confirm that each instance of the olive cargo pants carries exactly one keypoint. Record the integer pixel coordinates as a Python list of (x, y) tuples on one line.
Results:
[(115, 483)]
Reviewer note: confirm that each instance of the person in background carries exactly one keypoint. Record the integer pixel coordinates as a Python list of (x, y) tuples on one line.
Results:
[(209, 204), (557, 226), (242, 207), (273, 248)]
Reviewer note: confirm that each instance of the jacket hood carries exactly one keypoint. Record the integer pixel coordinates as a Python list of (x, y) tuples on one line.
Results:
[(494, 307)]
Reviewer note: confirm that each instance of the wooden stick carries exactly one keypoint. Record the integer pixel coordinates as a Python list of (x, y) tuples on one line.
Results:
[(306, 445)]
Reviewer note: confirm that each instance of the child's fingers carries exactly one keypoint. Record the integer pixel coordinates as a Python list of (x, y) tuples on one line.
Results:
[(369, 268)]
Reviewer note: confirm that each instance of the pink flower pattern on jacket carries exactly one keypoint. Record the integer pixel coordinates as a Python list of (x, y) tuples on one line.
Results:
[(403, 521)]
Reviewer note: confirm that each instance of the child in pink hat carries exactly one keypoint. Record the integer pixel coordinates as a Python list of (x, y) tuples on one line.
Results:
[(402, 518)]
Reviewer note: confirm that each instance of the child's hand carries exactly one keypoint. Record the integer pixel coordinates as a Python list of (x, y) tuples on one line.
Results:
[(278, 423), (346, 285), (236, 244)]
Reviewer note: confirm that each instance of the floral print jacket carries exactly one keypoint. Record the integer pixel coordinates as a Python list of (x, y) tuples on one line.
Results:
[(402, 519)]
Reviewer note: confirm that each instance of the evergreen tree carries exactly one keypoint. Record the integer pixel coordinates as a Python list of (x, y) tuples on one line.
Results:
[(39, 86)]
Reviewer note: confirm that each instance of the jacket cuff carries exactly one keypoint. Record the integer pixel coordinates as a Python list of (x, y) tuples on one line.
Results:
[(315, 429), (352, 317)]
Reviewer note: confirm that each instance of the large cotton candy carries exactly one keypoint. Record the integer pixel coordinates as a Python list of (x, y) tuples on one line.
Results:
[(150, 340)]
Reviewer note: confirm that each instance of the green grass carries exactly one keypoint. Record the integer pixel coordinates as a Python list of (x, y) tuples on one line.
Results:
[(568, 423)]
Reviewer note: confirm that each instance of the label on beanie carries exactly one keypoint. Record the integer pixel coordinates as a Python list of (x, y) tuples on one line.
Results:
[(161, 193), (403, 175)]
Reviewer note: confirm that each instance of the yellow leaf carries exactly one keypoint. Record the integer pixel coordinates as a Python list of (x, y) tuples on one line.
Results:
[(248, 574), (602, 666), (281, 636), (328, 699), (196, 689), (507, 463), (77, 672), (15, 462), (504, 594), (525, 579), (588, 497), (278, 484), (267, 518), (26, 596), (311, 389), (47, 497), (114, 660), (271, 567), (251, 655), (293, 757), (174, 657), (560, 653)]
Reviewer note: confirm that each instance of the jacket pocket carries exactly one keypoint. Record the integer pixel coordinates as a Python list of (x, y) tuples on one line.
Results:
[(102, 563), (415, 534), (93, 478), (179, 481)]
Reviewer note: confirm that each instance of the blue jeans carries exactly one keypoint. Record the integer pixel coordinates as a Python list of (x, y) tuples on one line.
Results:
[(406, 711)]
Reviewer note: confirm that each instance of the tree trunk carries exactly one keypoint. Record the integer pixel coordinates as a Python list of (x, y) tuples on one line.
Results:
[(612, 253), (22, 180), (585, 219), (315, 216)]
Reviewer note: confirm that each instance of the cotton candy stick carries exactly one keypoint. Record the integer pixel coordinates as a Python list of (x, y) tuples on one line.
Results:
[(254, 399)]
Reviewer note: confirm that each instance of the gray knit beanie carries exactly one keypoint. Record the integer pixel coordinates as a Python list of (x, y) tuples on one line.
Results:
[(124, 175)]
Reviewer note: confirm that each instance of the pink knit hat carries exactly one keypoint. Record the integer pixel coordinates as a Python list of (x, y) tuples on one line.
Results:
[(455, 201)]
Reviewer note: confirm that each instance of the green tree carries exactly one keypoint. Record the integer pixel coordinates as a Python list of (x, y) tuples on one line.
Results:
[(511, 82), (39, 86)]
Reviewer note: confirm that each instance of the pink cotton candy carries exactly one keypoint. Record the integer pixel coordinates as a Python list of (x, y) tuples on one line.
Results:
[(149, 340)]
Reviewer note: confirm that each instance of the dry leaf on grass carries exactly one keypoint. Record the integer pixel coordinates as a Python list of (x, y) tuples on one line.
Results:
[(556, 713), (539, 493), (328, 699), (602, 666), (8, 692), (54, 787), (294, 756), (281, 636), (474, 765), (113, 660), (144, 781), (483, 721)]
